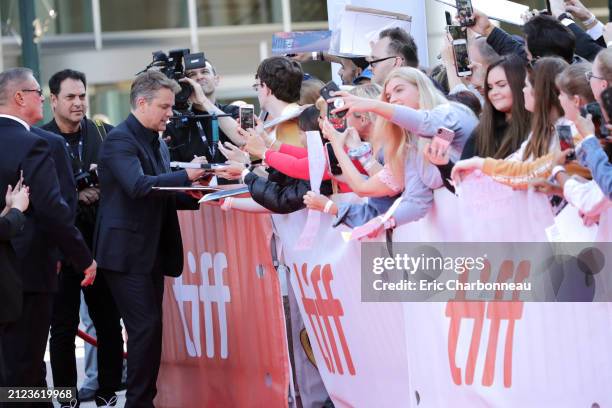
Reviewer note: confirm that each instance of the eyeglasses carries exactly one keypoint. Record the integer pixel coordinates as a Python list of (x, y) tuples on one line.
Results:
[(376, 61), (38, 91), (256, 86), (589, 75)]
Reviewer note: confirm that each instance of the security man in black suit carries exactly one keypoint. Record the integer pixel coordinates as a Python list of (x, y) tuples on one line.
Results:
[(138, 239), (13, 222), (83, 139), (49, 224)]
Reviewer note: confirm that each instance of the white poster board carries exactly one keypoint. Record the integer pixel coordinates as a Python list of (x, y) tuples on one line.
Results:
[(360, 26), (413, 8), (501, 10)]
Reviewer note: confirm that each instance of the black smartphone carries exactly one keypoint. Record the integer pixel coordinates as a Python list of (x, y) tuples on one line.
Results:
[(593, 108), (465, 11), (246, 113), (566, 139), (338, 120), (449, 19), (332, 162)]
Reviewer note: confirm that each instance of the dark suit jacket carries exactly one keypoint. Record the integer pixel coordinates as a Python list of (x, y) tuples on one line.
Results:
[(49, 220), (61, 157), (586, 47), (137, 224), (10, 282)]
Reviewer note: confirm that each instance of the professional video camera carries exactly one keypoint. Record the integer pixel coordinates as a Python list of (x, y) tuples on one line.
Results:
[(174, 66)]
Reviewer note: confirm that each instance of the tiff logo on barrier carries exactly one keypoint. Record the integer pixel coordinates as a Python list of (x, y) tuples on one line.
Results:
[(321, 312), (496, 311), (208, 294)]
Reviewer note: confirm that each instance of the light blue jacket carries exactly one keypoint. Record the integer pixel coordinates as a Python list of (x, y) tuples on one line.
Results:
[(591, 155)]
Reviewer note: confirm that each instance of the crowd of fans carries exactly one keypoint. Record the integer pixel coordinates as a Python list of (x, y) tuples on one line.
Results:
[(534, 113), (505, 120)]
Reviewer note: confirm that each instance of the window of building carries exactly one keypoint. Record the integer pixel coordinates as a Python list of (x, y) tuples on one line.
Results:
[(122, 15)]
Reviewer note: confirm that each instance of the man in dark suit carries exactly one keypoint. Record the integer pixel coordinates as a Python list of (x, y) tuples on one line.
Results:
[(83, 139), (137, 239), (49, 224)]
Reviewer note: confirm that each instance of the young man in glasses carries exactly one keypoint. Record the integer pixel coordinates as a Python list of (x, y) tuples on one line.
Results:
[(394, 48)]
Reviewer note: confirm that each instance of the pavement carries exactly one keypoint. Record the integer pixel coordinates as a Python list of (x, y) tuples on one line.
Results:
[(80, 355)]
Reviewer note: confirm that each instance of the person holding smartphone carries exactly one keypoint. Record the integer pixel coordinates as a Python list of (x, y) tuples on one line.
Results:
[(423, 111), (278, 86), (542, 99), (405, 88), (590, 152)]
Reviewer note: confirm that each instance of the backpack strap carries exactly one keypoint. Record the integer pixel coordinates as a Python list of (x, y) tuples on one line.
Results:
[(100, 128)]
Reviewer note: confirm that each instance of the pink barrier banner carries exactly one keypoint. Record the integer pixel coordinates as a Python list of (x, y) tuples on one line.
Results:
[(224, 340)]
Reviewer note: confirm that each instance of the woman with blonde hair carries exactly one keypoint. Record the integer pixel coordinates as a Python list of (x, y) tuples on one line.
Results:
[(410, 108)]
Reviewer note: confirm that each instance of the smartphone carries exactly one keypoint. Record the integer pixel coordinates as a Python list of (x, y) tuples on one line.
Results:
[(338, 120), (566, 139), (443, 138), (246, 114), (449, 19), (332, 162), (593, 108), (460, 50), (457, 32), (465, 11)]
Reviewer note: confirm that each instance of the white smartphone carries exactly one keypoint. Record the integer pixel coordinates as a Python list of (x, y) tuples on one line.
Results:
[(460, 50), (247, 113)]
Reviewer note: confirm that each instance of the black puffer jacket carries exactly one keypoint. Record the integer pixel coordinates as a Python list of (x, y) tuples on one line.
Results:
[(279, 193)]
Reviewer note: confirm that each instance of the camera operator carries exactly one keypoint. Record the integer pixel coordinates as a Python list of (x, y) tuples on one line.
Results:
[(83, 139), (196, 138)]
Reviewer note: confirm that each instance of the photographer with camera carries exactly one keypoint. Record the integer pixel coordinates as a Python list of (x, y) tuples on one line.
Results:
[(194, 137), (83, 139)]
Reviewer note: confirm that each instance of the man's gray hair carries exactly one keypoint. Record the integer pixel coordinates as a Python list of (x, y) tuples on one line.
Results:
[(489, 55), (148, 83), (9, 80)]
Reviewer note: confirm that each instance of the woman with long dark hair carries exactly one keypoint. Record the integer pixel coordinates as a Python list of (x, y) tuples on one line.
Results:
[(541, 97), (504, 122)]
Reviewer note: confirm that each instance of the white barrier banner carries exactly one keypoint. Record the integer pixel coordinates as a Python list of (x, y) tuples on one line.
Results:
[(509, 354), (359, 347), (476, 354)]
